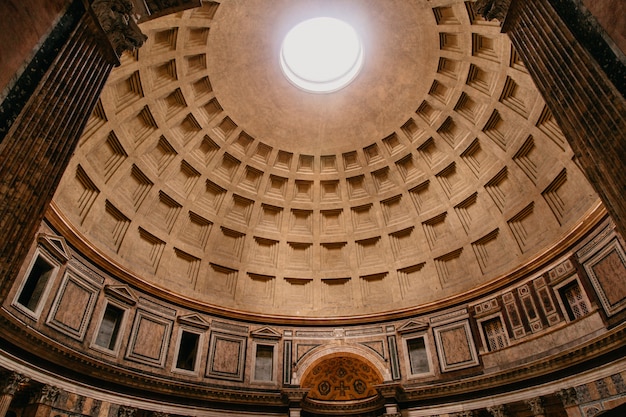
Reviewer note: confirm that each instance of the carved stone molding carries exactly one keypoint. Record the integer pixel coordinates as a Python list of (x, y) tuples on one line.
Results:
[(568, 397), (468, 413), (536, 406), (12, 383), (46, 395), (493, 9), (125, 411), (497, 410), (118, 22)]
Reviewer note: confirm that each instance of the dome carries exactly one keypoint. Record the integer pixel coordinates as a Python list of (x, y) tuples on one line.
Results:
[(436, 173)]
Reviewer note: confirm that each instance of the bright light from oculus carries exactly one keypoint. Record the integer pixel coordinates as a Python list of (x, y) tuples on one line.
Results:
[(321, 55)]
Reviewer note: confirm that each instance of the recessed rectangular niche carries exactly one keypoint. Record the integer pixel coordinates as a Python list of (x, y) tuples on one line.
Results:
[(330, 191), (370, 252), (219, 279), (356, 187), (264, 363), (298, 292), (259, 289), (410, 278), (418, 356), (303, 191), (229, 243), (240, 209), (403, 244), (301, 222), (300, 256), (336, 291), (140, 126), (423, 197), (394, 210), (265, 251), (375, 288), (270, 218), (363, 218), (332, 222), (334, 256), (211, 199), (412, 130)]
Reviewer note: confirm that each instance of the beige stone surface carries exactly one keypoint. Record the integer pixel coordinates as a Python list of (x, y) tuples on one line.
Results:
[(204, 173)]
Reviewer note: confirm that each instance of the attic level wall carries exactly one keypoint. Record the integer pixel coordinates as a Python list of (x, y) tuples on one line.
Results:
[(562, 324)]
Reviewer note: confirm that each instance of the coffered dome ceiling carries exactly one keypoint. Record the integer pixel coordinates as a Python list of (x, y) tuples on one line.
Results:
[(205, 175)]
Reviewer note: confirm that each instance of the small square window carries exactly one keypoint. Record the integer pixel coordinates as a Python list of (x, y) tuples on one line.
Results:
[(110, 327)]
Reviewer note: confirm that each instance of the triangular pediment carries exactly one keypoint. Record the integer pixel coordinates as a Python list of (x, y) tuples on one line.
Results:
[(56, 246), (121, 293), (413, 326), (266, 333), (194, 320)]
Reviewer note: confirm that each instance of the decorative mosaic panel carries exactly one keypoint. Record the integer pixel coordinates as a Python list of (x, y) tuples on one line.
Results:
[(341, 379)]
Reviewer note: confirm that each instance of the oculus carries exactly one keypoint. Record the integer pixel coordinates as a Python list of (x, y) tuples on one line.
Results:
[(321, 55)]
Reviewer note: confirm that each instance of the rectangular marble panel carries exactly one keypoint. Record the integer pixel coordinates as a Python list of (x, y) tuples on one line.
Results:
[(73, 305), (226, 356), (149, 338), (455, 346), (606, 270)]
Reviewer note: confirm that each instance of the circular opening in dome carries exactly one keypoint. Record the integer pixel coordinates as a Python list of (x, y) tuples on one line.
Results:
[(321, 55)]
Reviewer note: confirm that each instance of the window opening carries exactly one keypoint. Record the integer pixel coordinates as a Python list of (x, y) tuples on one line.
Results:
[(187, 351), (263, 368), (109, 327), (35, 284), (418, 356), (576, 302), (495, 334)]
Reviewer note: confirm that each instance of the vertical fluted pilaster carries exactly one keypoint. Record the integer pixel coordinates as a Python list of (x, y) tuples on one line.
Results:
[(39, 144), (8, 389), (580, 92)]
